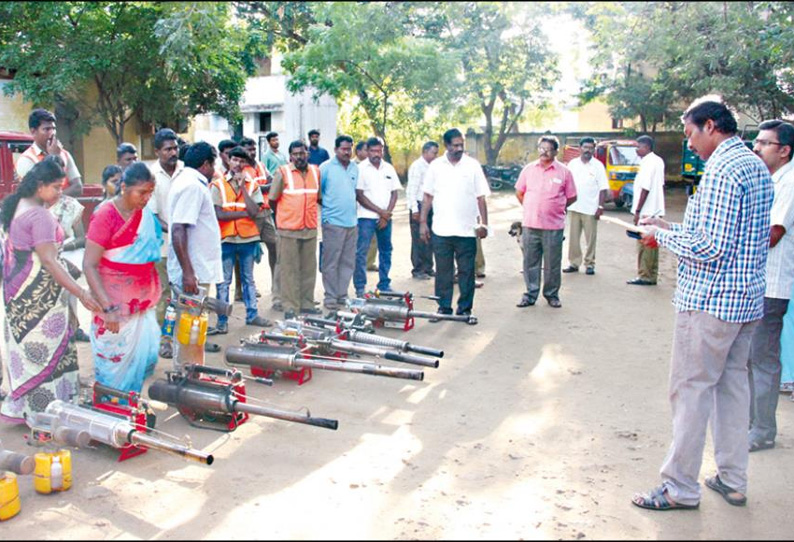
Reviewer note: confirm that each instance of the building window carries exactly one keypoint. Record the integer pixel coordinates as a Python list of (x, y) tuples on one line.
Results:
[(617, 124), (265, 122)]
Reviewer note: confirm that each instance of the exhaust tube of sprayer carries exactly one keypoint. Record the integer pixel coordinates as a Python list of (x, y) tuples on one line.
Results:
[(447, 317), (414, 360), (286, 415), (142, 439), (379, 340), (286, 358)]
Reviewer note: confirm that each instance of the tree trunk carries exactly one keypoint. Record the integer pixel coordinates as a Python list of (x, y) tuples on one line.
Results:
[(490, 153)]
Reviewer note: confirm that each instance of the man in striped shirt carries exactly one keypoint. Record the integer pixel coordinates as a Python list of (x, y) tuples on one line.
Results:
[(722, 248)]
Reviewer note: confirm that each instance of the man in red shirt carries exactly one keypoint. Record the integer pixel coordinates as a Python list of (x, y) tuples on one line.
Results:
[(546, 189)]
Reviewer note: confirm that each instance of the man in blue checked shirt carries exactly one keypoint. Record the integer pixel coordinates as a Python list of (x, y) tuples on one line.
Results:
[(722, 248)]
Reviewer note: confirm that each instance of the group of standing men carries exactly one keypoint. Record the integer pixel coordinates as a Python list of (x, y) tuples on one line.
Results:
[(351, 200)]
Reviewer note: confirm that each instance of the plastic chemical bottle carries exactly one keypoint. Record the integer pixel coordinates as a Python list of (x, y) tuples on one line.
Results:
[(169, 321), (56, 474), (194, 331)]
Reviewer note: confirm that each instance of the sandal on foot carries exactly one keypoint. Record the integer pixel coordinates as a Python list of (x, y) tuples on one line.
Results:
[(166, 350), (657, 499), (212, 347), (763, 445), (725, 490)]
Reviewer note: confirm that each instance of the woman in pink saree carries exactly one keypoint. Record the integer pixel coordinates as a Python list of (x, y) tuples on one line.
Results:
[(123, 243), (42, 362)]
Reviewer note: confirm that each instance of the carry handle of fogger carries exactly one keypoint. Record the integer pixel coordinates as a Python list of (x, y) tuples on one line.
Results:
[(230, 374), (101, 390), (321, 322), (202, 301), (388, 294)]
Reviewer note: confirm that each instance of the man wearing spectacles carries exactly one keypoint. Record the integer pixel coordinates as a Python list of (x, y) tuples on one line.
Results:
[(545, 189), (722, 248), (774, 146)]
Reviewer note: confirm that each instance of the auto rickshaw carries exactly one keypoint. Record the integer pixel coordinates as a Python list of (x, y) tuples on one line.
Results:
[(621, 162)]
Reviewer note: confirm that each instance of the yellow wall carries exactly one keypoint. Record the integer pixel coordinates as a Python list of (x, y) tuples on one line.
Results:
[(14, 112), (99, 150), (595, 117)]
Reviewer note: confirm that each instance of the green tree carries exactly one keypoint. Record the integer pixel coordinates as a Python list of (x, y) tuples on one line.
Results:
[(159, 62), (282, 25), (683, 50), (506, 65), (368, 51)]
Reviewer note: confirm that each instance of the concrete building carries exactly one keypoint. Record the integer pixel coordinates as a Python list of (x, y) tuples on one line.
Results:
[(267, 106)]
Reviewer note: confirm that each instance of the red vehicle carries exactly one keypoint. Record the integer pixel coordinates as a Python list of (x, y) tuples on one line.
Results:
[(12, 145)]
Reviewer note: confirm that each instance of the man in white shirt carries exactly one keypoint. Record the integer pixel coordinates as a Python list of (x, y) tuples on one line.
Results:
[(648, 202), (45, 143), (455, 187), (774, 144), (590, 178), (194, 247), (376, 193), (165, 171), (421, 252)]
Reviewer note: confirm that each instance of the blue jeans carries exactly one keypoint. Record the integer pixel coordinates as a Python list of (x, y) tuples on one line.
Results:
[(245, 252), (367, 227)]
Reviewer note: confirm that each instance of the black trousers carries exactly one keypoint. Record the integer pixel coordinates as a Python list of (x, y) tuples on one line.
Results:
[(448, 252), (421, 252)]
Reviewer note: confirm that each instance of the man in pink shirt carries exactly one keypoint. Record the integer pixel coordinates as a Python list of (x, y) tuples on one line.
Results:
[(546, 189)]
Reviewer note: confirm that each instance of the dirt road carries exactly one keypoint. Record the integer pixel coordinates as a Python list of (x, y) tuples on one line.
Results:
[(540, 423)]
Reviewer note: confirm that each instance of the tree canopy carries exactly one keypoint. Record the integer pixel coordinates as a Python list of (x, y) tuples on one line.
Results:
[(506, 66), (653, 58), (159, 62), (370, 54)]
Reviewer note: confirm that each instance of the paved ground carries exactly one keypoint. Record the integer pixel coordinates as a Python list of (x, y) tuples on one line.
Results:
[(540, 423)]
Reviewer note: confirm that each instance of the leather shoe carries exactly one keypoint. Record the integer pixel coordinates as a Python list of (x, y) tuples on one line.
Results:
[(640, 282), (571, 269), (554, 303), (525, 302), (259, 321), (590, 271), (311, 311)]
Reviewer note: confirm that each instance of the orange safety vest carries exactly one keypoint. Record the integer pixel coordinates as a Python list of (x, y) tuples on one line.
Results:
[(258, 174), (232, 201), (297, 206), (36, 158)]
